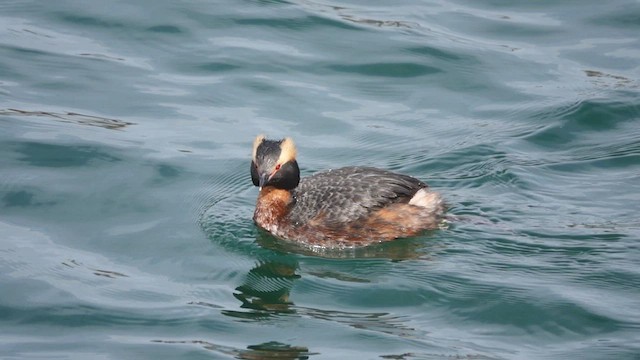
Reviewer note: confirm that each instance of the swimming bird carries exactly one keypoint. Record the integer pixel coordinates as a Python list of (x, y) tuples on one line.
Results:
[(346, 207)]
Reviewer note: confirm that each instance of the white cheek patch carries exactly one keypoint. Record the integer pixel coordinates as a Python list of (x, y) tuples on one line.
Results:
[(426, 199)]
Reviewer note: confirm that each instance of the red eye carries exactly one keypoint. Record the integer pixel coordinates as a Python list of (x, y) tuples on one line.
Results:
[(277, 167)]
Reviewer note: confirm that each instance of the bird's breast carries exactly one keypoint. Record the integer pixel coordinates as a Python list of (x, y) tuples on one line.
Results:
[(272, 207)]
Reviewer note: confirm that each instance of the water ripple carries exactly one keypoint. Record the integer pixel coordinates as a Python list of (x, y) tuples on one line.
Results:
[(127, 204)]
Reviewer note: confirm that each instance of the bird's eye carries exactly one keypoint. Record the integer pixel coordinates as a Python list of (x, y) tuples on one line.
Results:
[(277, 167)]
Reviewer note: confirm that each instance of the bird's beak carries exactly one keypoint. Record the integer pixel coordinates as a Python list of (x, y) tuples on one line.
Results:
[(264, 178)]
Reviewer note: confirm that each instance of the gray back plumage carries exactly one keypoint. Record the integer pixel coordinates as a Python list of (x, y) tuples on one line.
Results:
[(350, 193)]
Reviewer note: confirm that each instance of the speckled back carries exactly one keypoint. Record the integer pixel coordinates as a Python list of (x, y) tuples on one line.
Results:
[(350, 193)]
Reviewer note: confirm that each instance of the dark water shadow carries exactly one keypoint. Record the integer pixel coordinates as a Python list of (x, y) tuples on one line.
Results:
[(71, 117), (38, 154)]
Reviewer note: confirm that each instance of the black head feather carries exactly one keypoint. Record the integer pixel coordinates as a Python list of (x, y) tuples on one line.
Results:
[(271, 166)]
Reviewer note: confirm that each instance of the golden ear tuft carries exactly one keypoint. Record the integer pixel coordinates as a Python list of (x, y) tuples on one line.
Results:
[(259, 139), (288, 151)]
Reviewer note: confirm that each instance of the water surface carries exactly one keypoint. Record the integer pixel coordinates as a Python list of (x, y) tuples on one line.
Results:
[(126, 201)]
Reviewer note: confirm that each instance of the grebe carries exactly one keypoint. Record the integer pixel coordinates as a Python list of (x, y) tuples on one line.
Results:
[(344, 207)]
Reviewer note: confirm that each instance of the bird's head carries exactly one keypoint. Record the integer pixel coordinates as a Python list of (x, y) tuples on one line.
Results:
[(274, 163)]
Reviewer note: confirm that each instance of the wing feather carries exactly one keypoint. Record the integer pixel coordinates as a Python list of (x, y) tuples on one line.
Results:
[(351, 193)]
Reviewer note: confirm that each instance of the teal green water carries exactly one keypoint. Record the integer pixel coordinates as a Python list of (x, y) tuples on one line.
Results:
[(126, 201)]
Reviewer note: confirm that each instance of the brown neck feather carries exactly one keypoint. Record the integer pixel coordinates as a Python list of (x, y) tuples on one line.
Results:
[(272, 206)]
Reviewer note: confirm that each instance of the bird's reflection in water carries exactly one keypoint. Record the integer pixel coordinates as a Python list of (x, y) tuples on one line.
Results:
[(396, 250), (267, 285), (264, 351), (275, 350), (266, 288), (265, 291)]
